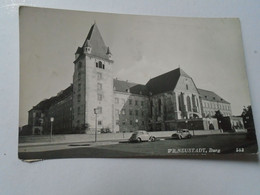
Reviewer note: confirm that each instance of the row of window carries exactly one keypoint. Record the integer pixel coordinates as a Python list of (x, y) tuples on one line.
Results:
[(117, 112), (131, 112), (101, 65), (192, 103), (216, 105), (130, 102), (212, 113), (130, 122)]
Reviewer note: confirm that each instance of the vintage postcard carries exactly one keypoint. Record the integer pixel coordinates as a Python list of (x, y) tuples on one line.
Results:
[(100, 85)]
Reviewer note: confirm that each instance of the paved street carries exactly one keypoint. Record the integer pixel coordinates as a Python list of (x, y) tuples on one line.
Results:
[(214, 144)]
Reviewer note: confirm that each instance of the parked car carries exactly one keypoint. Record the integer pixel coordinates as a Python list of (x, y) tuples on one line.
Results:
[(182, 134), (140, 136)]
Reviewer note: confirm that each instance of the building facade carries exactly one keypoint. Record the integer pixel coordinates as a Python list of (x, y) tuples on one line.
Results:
[(93, 83), (97, 100), (211, 103), (59, 107)]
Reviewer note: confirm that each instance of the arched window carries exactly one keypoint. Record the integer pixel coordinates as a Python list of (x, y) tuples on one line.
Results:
[(180, 102), (159, 106), (151, 107), (188, 103), (100, 65)]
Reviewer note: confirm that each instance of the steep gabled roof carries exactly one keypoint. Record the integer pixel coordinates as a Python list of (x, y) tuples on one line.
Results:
[(211, 96), (96, 42), (134, 88), (165, 82)]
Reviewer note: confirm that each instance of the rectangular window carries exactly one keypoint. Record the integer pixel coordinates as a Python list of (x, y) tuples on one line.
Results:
[(142, 113), (136, 112), (99, 109), (130, 112), (79, 97), (130, 102), (79, 86), (131, 122), (136, 102), (99, 122), (78, 110), (116, 100), (99, 97), (99, 75), (142, 103), (99, 86)]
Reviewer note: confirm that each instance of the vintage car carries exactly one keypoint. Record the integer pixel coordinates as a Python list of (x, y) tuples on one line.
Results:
[(182, 134), (140, 136)]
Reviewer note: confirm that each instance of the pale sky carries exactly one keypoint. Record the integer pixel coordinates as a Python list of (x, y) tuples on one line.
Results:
[(209, 50)]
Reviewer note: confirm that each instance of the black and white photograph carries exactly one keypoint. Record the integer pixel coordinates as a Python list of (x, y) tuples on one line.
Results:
[(103, 85)]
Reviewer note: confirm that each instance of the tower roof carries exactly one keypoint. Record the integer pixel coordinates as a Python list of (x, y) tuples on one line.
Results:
[(96, 42), (165, 82)]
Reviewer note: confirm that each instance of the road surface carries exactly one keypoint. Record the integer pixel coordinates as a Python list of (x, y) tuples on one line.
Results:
[(213, 144)]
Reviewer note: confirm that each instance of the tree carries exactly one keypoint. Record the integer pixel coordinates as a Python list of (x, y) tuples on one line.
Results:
[(247, 115), (219, 116)]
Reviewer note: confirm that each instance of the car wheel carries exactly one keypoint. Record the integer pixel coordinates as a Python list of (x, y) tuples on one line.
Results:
[(139, 139), (189, 136), (152, 139)]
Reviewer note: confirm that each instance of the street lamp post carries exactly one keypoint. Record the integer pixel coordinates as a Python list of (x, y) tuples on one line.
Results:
[(51, 119), (220, 126), (96, 112), (192, 128)]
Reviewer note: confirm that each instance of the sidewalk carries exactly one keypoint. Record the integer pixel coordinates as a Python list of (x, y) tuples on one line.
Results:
[(113, 139)]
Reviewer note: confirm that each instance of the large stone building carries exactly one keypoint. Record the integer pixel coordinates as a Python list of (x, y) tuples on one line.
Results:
[(166, 102), (59, 107), (211, 102)]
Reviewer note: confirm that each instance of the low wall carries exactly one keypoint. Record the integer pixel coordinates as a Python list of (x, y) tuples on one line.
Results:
[(102, 137)]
